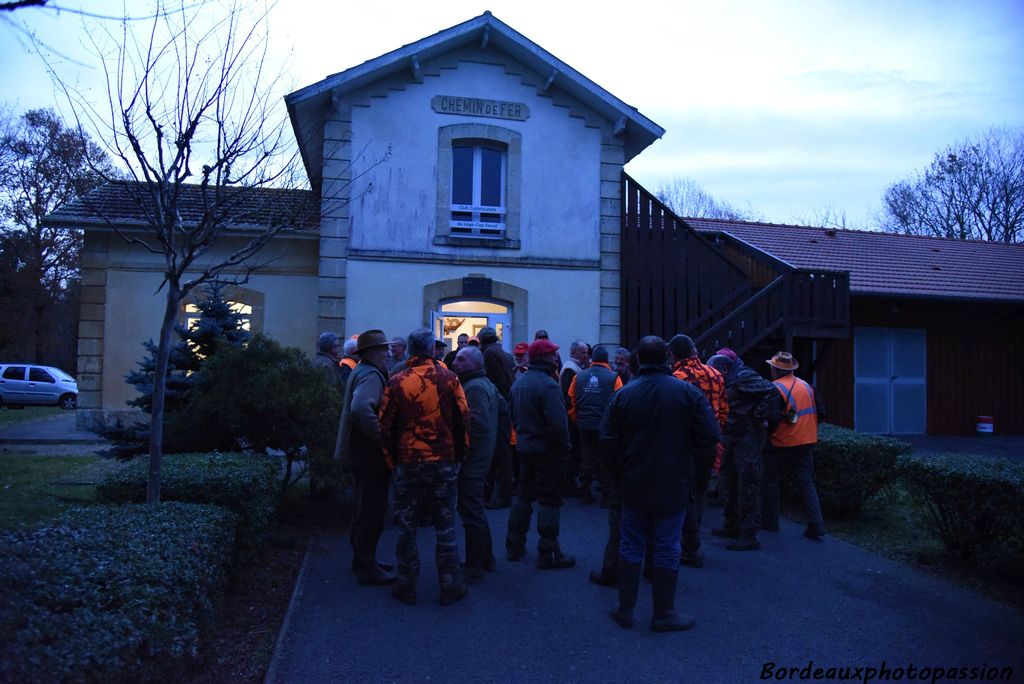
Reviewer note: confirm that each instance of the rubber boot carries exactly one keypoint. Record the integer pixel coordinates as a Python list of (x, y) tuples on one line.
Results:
[(518, 526), (549, 552), (473, 569), (663, 586), (629, 587), (586, 495), (487, 561)]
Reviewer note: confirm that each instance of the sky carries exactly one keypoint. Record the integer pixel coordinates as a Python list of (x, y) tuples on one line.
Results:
[(782, 108)]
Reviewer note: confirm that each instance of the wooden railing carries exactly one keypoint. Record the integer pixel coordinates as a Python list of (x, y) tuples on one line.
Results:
[(672, 278), (798, 303), (758, 317), (725, 293)]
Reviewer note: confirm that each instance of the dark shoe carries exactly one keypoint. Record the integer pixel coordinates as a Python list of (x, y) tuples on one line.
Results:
[(607, 577), (624, 619), (744, 545), (692, 559), (554, 560), (629, 587), (454, 594), (663, 587), (374, 577), (816, 535), (404, 593), (514, 553), (730, 532), (472, 575), (498, 502)]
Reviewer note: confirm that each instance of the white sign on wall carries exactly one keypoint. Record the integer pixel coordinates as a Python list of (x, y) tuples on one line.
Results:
[(473, 106)]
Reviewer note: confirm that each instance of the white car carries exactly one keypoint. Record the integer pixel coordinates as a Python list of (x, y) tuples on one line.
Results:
[(23, 384)]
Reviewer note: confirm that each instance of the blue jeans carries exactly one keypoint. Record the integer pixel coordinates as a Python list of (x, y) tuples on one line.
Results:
[(637, 526)]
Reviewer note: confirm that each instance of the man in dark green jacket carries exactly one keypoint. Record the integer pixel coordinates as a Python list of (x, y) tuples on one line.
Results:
[(359, 448), (486, 410), (650, 432)]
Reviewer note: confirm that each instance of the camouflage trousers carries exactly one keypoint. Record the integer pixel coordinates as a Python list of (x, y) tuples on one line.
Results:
[(427, 487), (742, 467)]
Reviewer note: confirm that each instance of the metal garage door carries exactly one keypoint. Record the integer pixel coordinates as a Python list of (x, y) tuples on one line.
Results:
[(889, 372)]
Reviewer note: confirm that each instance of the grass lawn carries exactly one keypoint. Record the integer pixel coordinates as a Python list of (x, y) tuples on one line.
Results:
[(34, 488), (9, 416)]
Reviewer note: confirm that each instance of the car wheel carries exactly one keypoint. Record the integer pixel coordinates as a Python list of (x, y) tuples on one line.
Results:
[(69, 402)]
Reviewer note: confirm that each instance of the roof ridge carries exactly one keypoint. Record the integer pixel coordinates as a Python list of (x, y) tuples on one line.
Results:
[(859, 231)]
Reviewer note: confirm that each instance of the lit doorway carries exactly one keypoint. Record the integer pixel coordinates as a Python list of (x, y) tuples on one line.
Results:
[(462, 316)]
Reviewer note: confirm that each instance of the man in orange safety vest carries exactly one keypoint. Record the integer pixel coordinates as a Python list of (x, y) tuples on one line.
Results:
[(792, 441)]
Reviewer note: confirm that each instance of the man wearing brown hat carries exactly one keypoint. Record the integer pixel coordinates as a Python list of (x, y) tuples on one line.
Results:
[(359, 448), (542, 441), (792, 441)]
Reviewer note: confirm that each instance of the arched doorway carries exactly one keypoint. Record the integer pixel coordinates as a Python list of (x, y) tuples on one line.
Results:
[(467, 316), (476, 297)]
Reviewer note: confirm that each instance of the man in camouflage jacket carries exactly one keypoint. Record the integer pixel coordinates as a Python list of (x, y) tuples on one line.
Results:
[(424, 424)]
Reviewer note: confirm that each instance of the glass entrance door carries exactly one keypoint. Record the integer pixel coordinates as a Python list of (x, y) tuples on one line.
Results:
[(455, 318)]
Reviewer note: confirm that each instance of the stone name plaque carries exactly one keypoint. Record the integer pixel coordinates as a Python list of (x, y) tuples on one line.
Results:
[(473, 106)]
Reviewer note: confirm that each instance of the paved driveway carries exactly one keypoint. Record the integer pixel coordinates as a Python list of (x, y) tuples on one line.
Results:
[(793, 602)]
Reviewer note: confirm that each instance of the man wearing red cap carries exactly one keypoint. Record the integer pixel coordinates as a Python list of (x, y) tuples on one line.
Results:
[(521, 354), (542, 434)]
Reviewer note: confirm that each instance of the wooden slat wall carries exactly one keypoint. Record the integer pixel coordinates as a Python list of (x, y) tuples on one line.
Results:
[(671, 276), (975, 362)]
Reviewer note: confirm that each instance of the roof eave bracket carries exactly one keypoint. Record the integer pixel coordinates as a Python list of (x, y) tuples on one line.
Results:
[(414, 67), (551, 79), (485, 39), (620, 127)]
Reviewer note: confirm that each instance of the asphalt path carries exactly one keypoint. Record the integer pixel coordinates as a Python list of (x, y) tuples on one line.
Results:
[(792, 603)]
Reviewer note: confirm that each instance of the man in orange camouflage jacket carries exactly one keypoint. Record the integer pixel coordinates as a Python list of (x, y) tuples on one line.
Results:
[(424, 426)]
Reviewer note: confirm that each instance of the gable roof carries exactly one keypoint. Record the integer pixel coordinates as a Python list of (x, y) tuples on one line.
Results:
[(890, 264), (639, 131), (124, 204)]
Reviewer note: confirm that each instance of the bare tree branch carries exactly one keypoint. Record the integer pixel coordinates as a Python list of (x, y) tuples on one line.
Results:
[(973, 190)]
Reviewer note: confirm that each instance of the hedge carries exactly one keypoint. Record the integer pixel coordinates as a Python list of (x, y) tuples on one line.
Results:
[(112, 593), (246, 484), (849, 468), (975, 506)]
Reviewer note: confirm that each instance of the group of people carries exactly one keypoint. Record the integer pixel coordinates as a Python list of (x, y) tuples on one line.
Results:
[(479, 428)]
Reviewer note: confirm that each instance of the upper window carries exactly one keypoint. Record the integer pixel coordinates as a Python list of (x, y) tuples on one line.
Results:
[(478, 189), (479, 169)]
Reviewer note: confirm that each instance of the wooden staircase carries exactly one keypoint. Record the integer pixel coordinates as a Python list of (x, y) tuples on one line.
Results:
[(718, 290)]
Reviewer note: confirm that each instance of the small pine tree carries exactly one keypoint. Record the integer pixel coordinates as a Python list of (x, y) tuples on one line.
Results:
[(218, 324)]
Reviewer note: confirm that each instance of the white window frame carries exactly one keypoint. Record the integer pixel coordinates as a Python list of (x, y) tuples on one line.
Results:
[(484, 135), (477, 227)]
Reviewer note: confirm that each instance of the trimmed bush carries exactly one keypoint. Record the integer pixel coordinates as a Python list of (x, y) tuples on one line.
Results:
[(849, 468), (112, 593), (263, 396), (246, 484), (975, 506)]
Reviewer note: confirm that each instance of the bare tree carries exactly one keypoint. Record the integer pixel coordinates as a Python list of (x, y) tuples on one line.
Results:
[(973, 190), (195, 118), (826, 216), (686, 198)]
